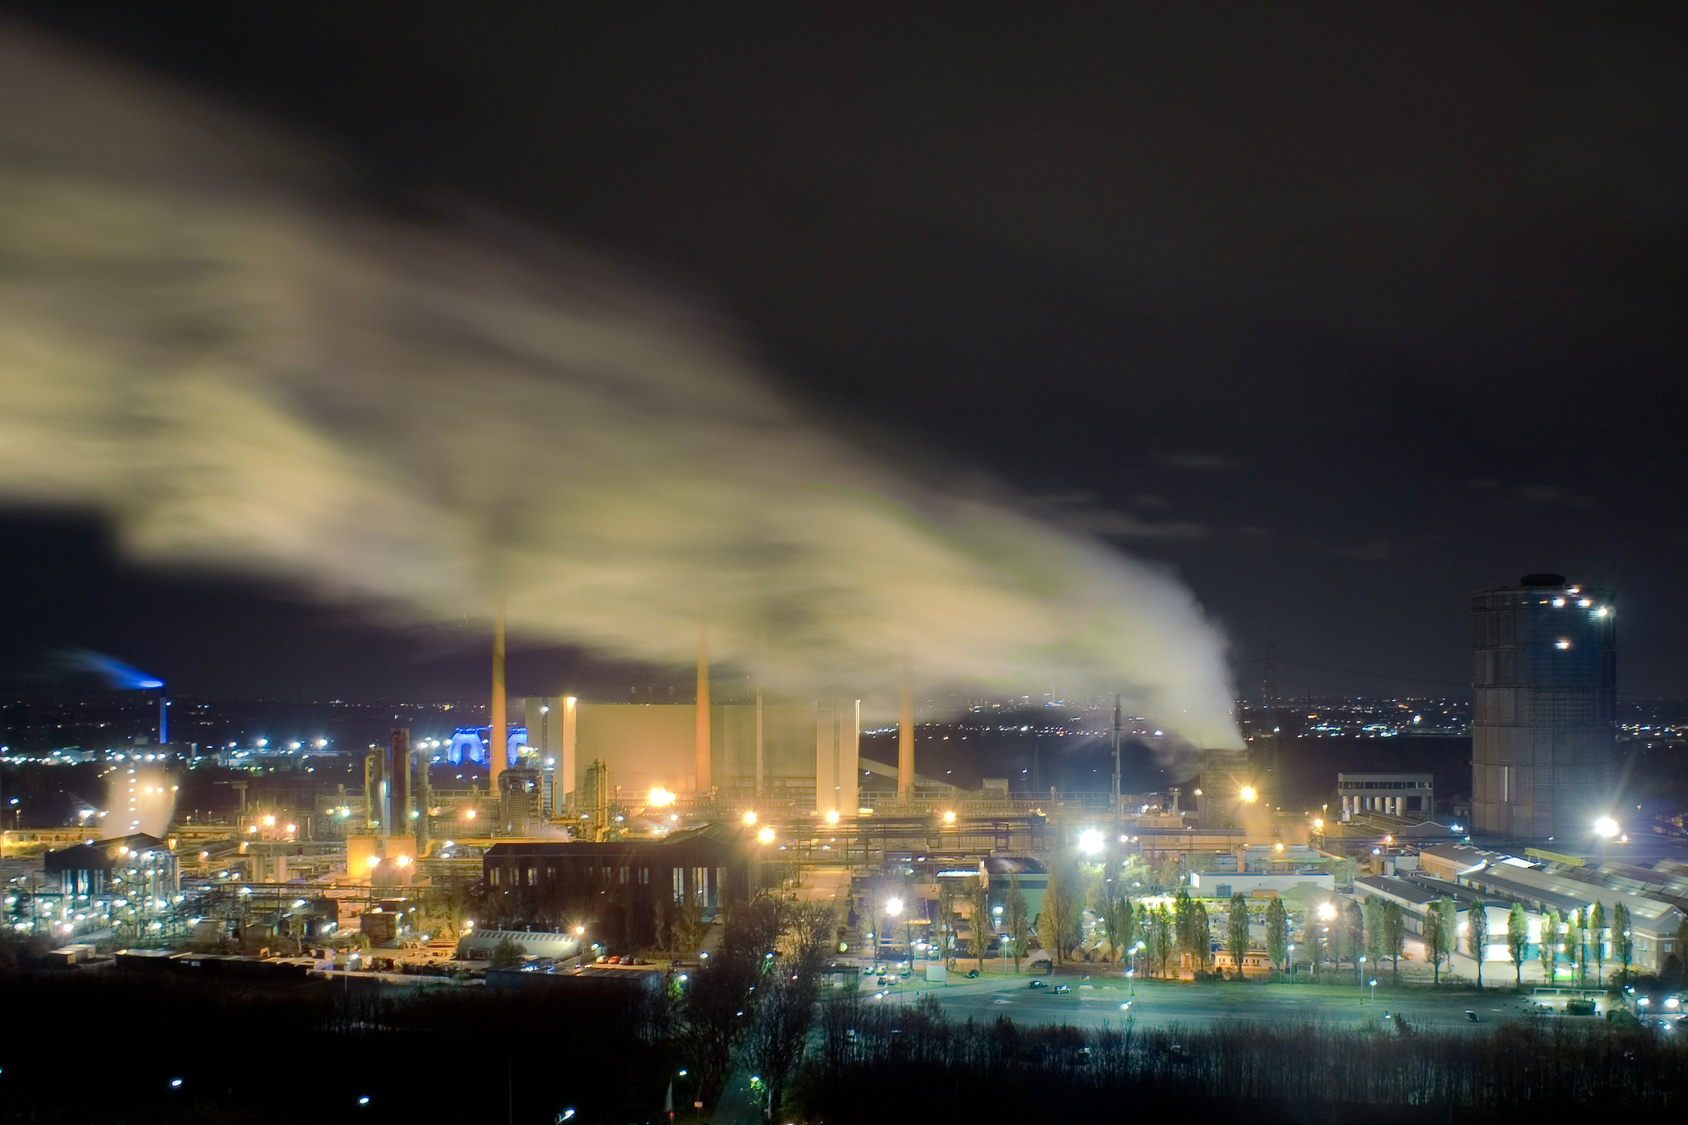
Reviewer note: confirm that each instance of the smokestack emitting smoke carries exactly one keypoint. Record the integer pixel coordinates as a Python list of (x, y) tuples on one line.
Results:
[(237, 373), (122, 677)]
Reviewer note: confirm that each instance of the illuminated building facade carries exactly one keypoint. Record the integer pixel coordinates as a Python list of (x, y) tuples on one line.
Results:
[(1544, 695)]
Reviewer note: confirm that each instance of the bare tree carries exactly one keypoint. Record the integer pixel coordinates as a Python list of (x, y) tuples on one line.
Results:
[(979, 900)]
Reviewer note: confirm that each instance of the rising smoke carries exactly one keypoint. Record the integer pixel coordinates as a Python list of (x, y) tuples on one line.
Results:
[(239, 373)]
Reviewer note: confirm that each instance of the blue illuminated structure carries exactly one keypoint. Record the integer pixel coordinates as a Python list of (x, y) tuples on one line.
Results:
[(122, 677), (470, 744)]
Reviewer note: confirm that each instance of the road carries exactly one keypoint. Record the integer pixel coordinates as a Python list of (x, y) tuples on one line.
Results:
[(1165, 1003)]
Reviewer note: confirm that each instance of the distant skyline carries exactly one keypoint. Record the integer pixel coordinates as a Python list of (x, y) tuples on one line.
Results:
[(1338, 314)]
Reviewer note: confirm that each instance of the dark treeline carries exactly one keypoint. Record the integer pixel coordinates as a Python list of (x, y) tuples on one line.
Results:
[(874, 1056), (104, 1046)]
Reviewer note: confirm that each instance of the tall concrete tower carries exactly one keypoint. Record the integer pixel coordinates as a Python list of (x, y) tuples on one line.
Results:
[(905, 738), (704, 759), (498, 737), (1543, 705), (838, 733)]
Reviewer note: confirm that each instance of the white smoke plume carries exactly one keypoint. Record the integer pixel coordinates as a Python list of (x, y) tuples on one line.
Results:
[(198, 340)]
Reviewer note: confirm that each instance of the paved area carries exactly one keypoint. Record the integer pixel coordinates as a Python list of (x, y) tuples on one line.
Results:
[(1097, 1002)]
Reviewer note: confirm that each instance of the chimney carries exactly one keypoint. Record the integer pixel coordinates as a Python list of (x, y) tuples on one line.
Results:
[(703, 755), (398, 782), (497, 737), (905, 737)]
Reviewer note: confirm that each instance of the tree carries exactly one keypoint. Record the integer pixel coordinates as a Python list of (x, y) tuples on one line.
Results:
[(1167, 873), (1236, 930), (1576, 945), (1376, 947), (1162, 936), (1105, 896), (1622, 940), (1439, 932), (1517, 938), (1394, 935), (1596, 938), (1201, 937), (1477, 934), (1354, 930), (1547, 942), (1277, 933), (1183, 914), (1019, 920), (948, 900), (508, 951), (979, 902), (1063, 902), (1130, 924)]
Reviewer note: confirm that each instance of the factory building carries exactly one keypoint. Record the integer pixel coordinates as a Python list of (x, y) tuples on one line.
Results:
[(618, 884), (1406, 795), (1544, 695)]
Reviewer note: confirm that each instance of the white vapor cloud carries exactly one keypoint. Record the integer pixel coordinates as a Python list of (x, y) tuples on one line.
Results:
[(240, 373)]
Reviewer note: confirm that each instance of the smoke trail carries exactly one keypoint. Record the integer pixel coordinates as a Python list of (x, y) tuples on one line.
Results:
[(241, 375), (113, 671)]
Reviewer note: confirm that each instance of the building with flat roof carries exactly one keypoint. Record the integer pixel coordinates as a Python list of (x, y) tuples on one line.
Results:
[(1406, 795), (1543, 701)]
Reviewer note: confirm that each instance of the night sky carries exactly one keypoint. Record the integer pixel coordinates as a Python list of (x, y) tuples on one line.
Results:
[(1338, 313)]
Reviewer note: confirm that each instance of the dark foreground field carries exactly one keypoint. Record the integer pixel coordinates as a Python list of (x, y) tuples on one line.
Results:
[(107, 1046)]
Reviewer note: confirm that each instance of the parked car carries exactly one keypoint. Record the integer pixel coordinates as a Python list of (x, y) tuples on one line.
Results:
[(1470, 1016), (1036, 984), (1062, 989), (972, 974)]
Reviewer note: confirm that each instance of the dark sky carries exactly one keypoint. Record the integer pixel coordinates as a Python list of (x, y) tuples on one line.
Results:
[(1343, 311)]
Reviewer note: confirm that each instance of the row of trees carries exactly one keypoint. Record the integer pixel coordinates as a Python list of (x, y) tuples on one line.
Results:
[(756, 997)]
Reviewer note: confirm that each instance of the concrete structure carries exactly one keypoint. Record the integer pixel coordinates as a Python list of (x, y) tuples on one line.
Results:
[(774, 750), (1224, 884), (1544, 693), (1224, 789), (1394, 794), (838, 735)]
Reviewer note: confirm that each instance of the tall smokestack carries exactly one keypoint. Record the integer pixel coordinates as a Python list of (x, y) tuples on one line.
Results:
[(498, 738), (703, 756), (398, 781), (905, 737), (163, 718)]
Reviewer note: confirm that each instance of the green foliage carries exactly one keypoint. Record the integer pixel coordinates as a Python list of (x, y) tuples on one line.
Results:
[(1063, 902), (1236, 930), (1623, 940), (1477, 934), (1517, 938), (1277, 933), (1201, 937), (1596, 939), (1162, 938), (507, 952), (1547, 946), (1394, 935)]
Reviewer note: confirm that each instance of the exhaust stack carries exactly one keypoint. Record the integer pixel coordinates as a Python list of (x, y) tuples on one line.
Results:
[(497, 737), (704, 782)]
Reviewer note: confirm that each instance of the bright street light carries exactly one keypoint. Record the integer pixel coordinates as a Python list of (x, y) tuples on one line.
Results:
[(1327, 911), (1606, 827), (766, 835), (1248, 794), (750, 818), (893, 906), (1090, 841)]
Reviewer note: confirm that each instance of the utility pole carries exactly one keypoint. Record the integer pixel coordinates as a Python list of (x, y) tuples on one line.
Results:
[(1119, 808)]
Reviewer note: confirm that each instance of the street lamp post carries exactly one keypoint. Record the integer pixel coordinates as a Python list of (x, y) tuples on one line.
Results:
[(1373, 983), (1289, 955), (894, 908)]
